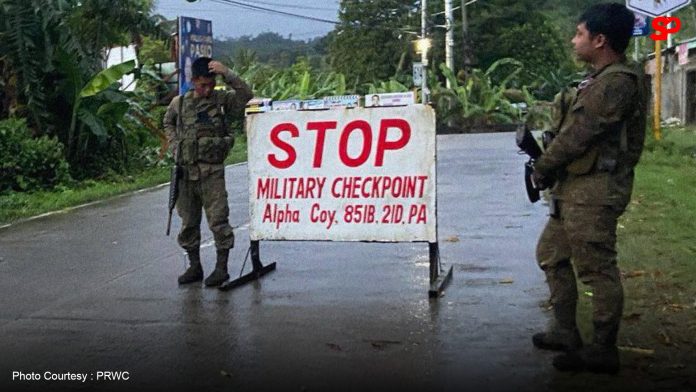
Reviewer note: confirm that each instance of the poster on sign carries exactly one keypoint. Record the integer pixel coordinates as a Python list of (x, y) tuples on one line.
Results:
[(313, 104), (343, 175), (342, 101), (290, 104), (390, 99)]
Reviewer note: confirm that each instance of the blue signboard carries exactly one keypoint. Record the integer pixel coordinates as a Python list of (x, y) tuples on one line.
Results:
[(641, 25), (195, 40)]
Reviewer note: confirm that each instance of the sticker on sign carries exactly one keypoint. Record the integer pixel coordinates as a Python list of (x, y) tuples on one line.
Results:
[(656, 7)]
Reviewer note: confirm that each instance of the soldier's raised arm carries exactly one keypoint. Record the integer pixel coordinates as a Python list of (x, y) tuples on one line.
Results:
[(241, 92)]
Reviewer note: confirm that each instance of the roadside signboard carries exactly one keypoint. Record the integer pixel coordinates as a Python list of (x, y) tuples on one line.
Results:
[(641, 25), (195, 40), (343, 175), (656, 8)]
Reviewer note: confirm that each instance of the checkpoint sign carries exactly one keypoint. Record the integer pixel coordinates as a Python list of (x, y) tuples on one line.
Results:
[(656, 8), (364, 174)]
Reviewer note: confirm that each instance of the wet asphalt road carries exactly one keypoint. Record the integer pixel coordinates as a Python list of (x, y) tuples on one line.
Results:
[(95, 289)]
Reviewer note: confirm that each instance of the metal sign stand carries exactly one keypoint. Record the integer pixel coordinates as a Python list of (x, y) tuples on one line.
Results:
[(258, 269), (437, 282)]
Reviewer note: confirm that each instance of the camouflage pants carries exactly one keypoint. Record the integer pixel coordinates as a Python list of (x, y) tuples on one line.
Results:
[(583, 237), (207, 192)]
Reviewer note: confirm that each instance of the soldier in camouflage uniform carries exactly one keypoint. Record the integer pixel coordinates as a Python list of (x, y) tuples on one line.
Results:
[(592, 159), (196, 126)]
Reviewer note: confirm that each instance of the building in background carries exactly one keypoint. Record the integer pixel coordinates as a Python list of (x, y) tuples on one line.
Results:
[(678, 81)]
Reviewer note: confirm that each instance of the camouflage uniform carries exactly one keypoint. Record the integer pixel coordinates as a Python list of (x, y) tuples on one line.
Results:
[(599, 142), (205, 142)]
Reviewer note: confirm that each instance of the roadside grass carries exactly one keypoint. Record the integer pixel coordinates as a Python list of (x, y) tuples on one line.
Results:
[(657, 257), (18, 205)]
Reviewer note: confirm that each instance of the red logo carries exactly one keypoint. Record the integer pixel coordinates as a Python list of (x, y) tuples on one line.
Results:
[(662, 29)]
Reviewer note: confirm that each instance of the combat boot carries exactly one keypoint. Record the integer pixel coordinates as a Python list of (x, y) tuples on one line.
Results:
[(564, 334), (594, 358), (558, 339), (219, 275), (194, 273)]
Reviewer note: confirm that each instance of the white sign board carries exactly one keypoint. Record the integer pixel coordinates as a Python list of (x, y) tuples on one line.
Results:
[(656, 7), (343, 175)]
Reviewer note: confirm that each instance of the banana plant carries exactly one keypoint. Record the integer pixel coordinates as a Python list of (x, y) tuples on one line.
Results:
[(390, 86), (115, 107), (477, 99)]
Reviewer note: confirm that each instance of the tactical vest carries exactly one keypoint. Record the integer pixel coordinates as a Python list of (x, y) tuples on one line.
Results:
[(603, 156), (203, 130), (603, 175)]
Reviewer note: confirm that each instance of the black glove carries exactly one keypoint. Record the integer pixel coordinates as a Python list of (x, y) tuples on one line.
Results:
[(540, 181)]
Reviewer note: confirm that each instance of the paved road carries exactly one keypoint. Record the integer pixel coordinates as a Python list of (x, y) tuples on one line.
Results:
[(95, 289)]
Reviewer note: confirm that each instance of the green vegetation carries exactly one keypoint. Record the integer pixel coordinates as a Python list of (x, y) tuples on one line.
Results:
[(26, 162), (478, 101), (51, 51), (18, 205), (274, 50), (373, 40)]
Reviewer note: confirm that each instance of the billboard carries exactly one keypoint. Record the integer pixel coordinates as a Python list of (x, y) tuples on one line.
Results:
[(195, 40), (343, 175)]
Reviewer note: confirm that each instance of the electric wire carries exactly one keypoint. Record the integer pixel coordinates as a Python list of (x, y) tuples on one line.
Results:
[(272, 11)]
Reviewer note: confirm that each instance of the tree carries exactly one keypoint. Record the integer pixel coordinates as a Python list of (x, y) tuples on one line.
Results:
[(50, 50), (373, 40), (516, 29), (270, 48)]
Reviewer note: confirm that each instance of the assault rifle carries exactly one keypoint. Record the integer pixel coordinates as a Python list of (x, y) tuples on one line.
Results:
[(528, 145), (174, 185), (177, 170)]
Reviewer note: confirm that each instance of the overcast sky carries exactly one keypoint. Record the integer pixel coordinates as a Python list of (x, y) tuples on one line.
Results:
[(233, 20)]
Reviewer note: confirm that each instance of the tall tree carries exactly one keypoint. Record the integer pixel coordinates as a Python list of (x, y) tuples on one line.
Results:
[(373, 40), (519, 29), (51, 48)]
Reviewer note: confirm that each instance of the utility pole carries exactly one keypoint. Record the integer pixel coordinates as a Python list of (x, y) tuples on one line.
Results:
[(669, 36), (657, 103), (449, 39), (466, 48), (424, 51)]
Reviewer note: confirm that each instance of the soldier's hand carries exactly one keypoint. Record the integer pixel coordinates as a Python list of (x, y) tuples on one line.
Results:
[(217, 67), (540, 181)]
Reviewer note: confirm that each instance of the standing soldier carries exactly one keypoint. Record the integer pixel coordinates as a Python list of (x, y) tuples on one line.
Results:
[(196, 124), (592, 160)]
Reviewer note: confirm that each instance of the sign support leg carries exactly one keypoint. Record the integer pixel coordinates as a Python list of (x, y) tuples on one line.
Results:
[(438, 282), (258, 269)]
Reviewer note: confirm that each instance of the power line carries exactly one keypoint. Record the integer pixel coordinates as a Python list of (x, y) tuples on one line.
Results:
[(272, 11), (164, 8), (301, 7)]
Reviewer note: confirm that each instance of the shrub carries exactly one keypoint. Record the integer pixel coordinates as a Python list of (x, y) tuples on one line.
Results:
[(28, 163)]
